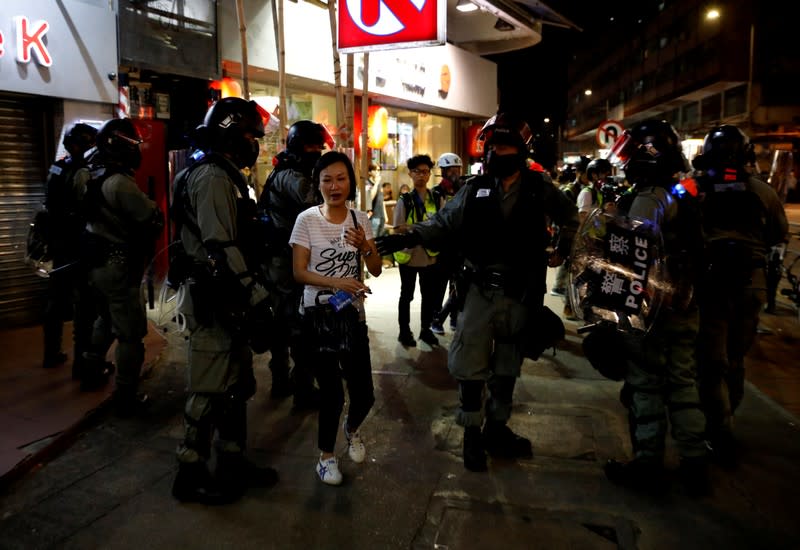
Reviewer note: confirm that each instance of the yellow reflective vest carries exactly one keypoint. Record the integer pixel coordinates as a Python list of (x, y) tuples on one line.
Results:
[(413, 216)]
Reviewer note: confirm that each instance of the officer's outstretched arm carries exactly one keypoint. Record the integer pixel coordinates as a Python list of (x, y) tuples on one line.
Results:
[(398, 241)]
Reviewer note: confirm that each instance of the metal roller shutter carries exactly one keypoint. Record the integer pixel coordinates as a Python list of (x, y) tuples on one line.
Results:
[(23, 123)]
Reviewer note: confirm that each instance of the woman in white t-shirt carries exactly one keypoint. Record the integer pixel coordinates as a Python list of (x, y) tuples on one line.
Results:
[(328, 242)]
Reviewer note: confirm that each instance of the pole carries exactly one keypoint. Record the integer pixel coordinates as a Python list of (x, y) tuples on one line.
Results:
[(362, 181), (243, 39), (337, 77), (750, 79), (284, 115)]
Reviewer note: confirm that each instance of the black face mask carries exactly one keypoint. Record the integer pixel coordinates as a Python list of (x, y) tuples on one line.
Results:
[(245, 152), (502, 166), (308, 160)]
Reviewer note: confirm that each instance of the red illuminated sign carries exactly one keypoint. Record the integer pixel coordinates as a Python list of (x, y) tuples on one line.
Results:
[(30, 41), (366, 25)]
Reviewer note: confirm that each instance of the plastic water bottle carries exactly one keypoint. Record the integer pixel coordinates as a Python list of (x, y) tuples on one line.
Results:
[(340, 300)]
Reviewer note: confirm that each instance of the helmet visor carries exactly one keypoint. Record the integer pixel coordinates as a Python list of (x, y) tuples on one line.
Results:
[(623, 149)]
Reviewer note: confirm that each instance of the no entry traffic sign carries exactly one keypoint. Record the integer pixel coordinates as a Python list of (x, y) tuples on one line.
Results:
[(608, 132)]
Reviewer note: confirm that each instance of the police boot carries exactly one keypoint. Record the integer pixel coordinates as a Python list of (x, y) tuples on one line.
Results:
[(693, 473), (235, 473), (95, 373), (639, 474), (474, 453), (501, 442), (195, 484)]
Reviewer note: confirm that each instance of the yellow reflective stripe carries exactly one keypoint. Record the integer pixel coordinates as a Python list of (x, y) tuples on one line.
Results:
[(402, 257), (430, 210)]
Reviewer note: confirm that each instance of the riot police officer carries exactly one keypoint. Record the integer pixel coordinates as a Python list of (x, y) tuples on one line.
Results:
[(743, 218), (287, 192), (230, 313), (122, 225), (503, 282), (67, 226), (590, 196), (661, 369), (571, 190)]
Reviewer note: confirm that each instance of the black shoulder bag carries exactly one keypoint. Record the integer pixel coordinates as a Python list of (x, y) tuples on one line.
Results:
[(328, 330)]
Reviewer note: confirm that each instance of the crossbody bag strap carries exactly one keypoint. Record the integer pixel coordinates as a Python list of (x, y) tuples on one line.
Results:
[(358, 252)]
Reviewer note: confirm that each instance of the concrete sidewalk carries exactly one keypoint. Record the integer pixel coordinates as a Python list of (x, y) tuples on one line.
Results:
[(42, 409), (111, 487)]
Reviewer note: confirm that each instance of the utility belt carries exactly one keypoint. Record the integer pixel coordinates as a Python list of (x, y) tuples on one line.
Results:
[(731, 263), (487, 280), (100, 251)]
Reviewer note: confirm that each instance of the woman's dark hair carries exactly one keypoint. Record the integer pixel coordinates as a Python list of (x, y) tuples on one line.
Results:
[(332, 157)]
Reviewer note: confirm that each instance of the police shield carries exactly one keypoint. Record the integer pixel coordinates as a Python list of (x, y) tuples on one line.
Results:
[(162, 293), (617, 272), (37, 251)]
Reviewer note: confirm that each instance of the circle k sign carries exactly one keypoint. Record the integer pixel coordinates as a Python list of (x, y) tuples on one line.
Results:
[(608, 132), (366, 25)]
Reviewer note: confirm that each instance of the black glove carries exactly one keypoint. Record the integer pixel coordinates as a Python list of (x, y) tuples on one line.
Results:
[(397, 241)]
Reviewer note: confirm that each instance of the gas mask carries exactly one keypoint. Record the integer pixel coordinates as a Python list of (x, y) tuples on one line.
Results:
[(308, 159), (502, 166)]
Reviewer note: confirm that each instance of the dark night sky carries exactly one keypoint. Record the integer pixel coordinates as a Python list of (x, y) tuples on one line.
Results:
[(542, 91)]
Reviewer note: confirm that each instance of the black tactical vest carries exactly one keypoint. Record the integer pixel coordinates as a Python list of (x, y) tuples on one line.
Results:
[(518, 242)]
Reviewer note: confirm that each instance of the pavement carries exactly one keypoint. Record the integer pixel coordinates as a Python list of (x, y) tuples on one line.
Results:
[(75, 476)]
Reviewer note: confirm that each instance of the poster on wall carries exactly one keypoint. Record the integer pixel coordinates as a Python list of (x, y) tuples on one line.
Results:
[(405, 142), (388, 153)]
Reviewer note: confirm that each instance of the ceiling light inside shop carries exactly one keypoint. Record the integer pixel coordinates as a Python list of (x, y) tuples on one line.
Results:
[(466, 6)]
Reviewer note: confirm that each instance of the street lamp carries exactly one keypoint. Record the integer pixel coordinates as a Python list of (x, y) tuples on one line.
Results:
[(713, 14)]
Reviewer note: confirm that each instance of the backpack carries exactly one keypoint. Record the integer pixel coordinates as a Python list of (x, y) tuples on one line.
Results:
[(250, 226), (275, 238), (58, 216)]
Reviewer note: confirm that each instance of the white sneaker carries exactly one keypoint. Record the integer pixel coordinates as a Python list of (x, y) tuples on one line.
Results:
[(328, 471), (355, 446)]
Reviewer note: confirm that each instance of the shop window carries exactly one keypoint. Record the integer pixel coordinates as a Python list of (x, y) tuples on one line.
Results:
[(674, 117), (735, 101), (691, 115), (710, 109)]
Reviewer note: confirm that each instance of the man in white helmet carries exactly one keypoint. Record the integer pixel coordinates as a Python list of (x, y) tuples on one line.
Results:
[(449, 262)]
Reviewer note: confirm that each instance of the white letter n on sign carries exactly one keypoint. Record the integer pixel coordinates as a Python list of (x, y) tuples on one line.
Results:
[(387, 23)]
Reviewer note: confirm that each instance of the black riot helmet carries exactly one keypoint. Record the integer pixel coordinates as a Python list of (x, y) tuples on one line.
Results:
[(597, 167), (650, 153), (118, 144), (225, 127), (306, 132), (79, 139), (301, 134), (724, 147), (505, 129), (604, 348)]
